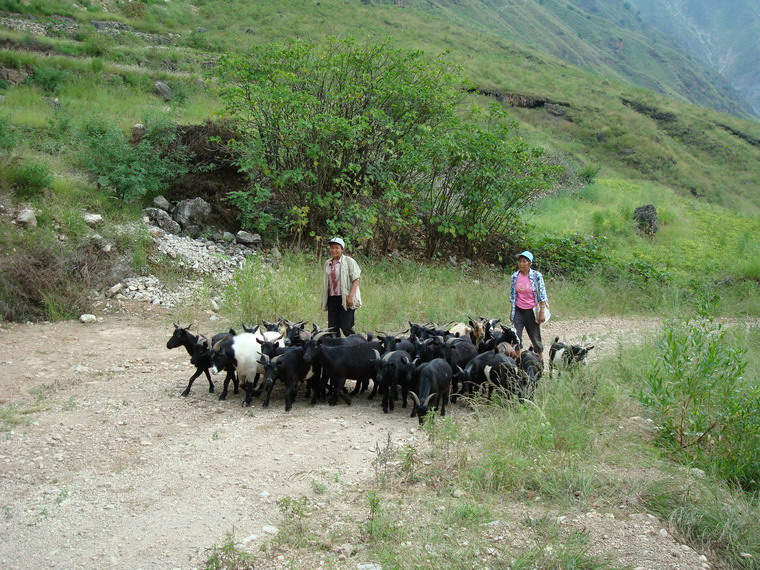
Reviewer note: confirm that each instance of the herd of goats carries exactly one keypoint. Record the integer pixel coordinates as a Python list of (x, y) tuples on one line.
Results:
[(431, 364)]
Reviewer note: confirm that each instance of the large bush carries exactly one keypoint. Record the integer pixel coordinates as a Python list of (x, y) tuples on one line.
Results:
[(371, 142)]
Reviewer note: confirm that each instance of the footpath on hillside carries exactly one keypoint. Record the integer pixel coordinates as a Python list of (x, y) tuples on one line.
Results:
[(104, 463)]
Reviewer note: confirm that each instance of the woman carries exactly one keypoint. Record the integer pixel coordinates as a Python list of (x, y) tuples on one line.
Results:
[(527, 292), (340, 288)]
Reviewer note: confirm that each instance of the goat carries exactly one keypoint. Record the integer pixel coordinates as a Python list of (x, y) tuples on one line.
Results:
[(197, 347), (392, 369), (473, 374), (290, 368), (531, 368), (341, 362), (242, 351), (433, 383), (567, 356)]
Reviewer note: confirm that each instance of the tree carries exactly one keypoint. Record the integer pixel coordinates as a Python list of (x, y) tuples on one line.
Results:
[(371, 142)]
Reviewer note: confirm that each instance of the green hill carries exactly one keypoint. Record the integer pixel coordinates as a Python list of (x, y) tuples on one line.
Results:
[(558, 69)]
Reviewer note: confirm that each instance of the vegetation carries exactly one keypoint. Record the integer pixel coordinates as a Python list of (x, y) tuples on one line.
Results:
[(367, 141)]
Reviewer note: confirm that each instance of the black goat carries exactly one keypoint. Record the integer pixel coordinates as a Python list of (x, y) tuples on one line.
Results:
[(433, 383), (199, 349), (342, 362), (392, 369), (290, 368), (531, 368)]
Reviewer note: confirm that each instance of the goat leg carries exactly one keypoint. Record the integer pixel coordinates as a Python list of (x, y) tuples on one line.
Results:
[(198, 372)]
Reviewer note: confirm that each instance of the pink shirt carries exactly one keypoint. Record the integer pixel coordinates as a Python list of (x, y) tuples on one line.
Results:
[(525, 298), (334, 288)]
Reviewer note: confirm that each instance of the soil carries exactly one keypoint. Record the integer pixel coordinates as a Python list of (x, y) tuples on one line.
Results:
[(104, 464)]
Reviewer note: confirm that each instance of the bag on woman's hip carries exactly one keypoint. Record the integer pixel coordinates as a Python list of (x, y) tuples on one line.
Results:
[(547, 313)]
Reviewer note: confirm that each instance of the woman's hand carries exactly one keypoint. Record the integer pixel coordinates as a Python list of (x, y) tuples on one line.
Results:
[(350, 301), (541, 318)]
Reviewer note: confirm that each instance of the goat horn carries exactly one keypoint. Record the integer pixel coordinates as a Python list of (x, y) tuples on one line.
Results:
[(430, 398), (377, 354), (320, 334), (415, 398)]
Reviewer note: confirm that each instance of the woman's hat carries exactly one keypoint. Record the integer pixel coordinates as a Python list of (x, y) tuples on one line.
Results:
[(337, 240), (526, 254)]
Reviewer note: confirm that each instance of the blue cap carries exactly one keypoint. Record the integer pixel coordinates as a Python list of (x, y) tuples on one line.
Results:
[(526, 254), (337, 240)]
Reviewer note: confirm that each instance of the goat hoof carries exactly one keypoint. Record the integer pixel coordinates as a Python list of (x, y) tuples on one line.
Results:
[(223, 397), (186, 393)]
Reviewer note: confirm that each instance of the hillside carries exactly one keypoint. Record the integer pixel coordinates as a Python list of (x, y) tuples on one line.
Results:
[(588, 117), (726, 35)]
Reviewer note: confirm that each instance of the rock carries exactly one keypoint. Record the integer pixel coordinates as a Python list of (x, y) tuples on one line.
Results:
[(646, 219), (698, 473), (156, 232), (269, 529), (13, 76), (214, 305), (88, 318), (114, 290), (370, 566), (192, 212), (93, 220), (246, 238), (163, 90), (27, 218), (162, 203), (163, 220)]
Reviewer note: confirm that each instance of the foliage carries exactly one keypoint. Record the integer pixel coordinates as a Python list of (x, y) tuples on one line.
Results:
[(47, 281), (366, 141), (29, 178), (568, 255), (8, 135), (229, 556), (707, 412), (135, 170), (49, 79)]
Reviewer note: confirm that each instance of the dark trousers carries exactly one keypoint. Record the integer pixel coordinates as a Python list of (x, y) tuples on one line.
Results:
[(339, 318), (525, 319)]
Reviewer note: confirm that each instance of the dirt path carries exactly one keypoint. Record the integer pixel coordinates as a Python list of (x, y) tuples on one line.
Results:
[(110, 467)]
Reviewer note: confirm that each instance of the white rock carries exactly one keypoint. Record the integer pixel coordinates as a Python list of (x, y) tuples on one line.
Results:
[(88, 318), (269, 529), (93, 220), (27, 218), (114, 290)]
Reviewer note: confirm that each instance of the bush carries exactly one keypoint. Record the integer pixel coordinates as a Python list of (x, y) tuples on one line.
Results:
[(567, 255), (48, 79), (46, 281), (706, 410), (142, 169), (8, 137), (30, 178)]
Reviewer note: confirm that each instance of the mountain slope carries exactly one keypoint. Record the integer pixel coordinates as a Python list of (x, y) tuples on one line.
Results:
[(726, 35)]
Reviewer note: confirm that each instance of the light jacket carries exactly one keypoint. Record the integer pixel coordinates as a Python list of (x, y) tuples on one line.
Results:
[(349, 272), (536, 282)]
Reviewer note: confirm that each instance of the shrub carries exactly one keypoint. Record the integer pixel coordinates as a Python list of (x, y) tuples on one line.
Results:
[(134, 10), (695, 388), (566, 255), (48, 79), (30, 178), (8, 137), (142, 169)]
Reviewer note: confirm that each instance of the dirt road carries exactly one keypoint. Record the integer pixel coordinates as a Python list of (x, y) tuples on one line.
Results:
[(104, 464)]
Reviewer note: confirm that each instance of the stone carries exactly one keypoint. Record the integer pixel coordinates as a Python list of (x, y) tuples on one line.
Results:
[(27, 218), (163, 220), (162, 203), (192, 212), (88, 318), (646, 219), (93, 220), (246, 238), (269, 529), (698, 473), (114, 290), (163, 90)]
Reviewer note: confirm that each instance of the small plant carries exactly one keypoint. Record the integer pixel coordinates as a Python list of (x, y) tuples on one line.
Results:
[(30, 178), (588, 173), (49, 80), (707, 412), (229, 556), (383, 456), (294, 512), (318, 487)]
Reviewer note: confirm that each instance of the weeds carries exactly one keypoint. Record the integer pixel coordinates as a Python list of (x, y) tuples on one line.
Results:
[(708, 413), (294, 512), (229, 556)]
